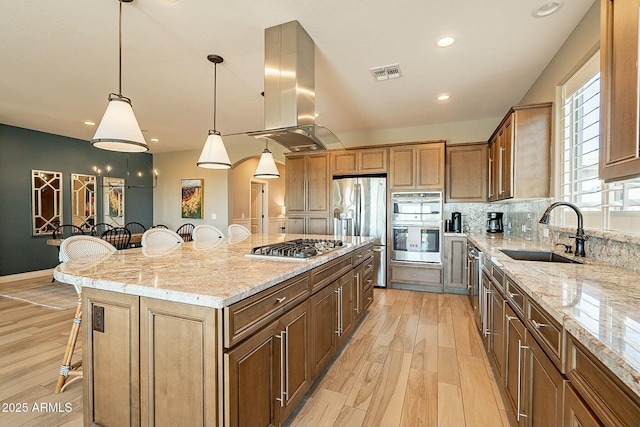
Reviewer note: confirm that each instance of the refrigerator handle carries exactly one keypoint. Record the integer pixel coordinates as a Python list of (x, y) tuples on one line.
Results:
[(358, 210)]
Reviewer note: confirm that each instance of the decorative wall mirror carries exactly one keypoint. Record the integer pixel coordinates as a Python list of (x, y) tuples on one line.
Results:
[(113, 201), (83, 201), (46, 201)]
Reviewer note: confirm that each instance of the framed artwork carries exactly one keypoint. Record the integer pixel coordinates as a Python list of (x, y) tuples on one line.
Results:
[(192, 198)]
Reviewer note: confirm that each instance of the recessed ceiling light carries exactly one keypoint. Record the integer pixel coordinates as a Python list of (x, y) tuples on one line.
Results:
[(547, 9), (154, 140), (443, 97), (89, 123), (445, 41)]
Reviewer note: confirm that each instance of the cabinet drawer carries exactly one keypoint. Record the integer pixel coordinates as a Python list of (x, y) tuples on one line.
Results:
[(605, 395), (416, 273), (327, 273), (546, 330), (362, 254), (247, 316), (515, 295), (368, 280), (497, 277), (367, 298)]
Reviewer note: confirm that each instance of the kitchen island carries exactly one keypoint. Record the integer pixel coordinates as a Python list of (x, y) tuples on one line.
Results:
[(201, 334), (577, 323)]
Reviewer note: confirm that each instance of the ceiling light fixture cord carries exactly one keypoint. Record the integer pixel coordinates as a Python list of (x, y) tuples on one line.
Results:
[(215, 97), (120, 52)]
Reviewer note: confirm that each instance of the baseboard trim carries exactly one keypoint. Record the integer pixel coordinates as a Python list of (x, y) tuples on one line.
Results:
[(26, 276)]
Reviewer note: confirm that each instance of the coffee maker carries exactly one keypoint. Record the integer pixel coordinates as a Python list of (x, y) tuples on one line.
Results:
[(494, 222)]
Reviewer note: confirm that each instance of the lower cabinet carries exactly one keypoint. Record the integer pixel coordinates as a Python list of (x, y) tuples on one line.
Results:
[(269, 373), (135, 372), (416, 276), (576, 412), (496, 322), (454, 264)]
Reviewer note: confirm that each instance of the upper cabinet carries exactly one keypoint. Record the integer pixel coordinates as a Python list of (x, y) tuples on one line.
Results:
[(417, 167), (466, 167), (519, 154), (364, 161), (619, 145)]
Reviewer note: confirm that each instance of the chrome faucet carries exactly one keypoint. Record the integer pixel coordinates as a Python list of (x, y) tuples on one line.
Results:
[(580, 234)]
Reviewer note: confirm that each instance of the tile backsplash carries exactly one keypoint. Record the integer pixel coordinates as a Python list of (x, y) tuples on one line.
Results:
[(521, 218)]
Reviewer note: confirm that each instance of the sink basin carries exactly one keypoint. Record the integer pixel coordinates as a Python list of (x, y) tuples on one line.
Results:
[(547, 256)]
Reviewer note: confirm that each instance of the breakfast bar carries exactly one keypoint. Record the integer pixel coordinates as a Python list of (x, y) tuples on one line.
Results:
[(204, 333)]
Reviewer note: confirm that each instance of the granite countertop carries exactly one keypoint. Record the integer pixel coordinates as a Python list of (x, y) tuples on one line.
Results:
[(212, 274), (597, 303)]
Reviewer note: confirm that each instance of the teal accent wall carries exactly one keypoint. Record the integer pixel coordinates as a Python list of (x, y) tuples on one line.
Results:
[(21, 151)]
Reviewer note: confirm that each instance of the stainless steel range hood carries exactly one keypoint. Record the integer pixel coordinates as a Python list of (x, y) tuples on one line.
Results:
[(289, 91)]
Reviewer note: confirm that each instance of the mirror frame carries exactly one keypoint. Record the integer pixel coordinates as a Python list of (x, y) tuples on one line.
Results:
[(83, 201), (45, 221)]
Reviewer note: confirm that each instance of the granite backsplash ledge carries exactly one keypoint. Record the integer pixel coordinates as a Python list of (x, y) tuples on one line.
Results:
[(521, 220)]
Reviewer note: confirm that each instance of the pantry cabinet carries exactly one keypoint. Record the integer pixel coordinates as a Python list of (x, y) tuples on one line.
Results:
[(417, 167), (307, 186), (360, 161), (466, 170), (519, 154), (619, 120)]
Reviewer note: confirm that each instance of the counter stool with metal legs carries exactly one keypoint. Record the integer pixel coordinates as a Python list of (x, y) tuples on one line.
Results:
[(73, 248)]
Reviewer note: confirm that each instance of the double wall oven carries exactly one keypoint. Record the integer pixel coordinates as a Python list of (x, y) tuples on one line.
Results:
[(416, 226)]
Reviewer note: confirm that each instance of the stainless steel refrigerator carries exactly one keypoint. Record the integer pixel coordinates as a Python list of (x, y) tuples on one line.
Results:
[(359, 206)]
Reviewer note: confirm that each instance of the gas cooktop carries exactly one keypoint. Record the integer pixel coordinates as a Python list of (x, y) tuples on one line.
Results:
[(295, 250)]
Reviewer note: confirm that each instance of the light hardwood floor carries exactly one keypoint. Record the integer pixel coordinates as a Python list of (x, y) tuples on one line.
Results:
[(415, 360)]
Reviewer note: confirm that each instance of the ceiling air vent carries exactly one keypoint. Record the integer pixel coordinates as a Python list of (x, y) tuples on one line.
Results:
[(386, 72)]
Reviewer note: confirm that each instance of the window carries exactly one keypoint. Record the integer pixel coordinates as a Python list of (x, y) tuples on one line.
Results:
[(613, 206)]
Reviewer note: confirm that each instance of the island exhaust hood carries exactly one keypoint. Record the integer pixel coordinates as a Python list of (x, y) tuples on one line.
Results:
[(289, 91)]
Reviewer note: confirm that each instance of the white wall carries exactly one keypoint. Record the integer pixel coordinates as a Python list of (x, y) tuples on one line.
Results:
[(172, 168)]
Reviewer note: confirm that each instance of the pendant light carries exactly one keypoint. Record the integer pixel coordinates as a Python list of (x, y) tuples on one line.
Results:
[(214, 154), (119, 129), (267, 166)]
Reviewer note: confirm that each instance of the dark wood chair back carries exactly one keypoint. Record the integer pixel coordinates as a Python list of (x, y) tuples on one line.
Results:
[(100, 228), (185, 231), (120, 237), (159, 226), (66, 230), (135, 228)]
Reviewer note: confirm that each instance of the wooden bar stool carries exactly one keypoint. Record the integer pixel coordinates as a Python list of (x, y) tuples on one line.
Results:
[(73, 248)]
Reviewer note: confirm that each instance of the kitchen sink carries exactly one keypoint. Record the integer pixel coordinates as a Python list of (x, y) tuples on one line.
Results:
[(547, 256)]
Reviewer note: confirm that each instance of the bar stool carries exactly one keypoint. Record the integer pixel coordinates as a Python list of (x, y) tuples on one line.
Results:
[(72, 248)]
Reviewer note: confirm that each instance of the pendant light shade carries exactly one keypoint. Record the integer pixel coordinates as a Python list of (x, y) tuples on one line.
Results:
[(267, 167), (119, 129), (214, 154)]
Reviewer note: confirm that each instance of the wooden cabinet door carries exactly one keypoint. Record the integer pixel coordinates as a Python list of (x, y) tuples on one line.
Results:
[(346, 305), (115, 398), (505, 150), (515, 344), (318, 225), (295, 359), (493, 166), (252, 380), (619, 155), (345, 162), (372, 160), (576, 412), (324, 305), (430, 166), (545, 386), (318, 183), (496, 328), (296, 184), (402, 168), (455, 264), (466, 167), (178, 385)]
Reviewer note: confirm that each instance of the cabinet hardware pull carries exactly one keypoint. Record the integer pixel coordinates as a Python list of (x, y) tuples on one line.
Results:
[(339, 292), (538, 325), (286, 362), (281, 299), (512, 296), (281, 398), (520, 348)]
